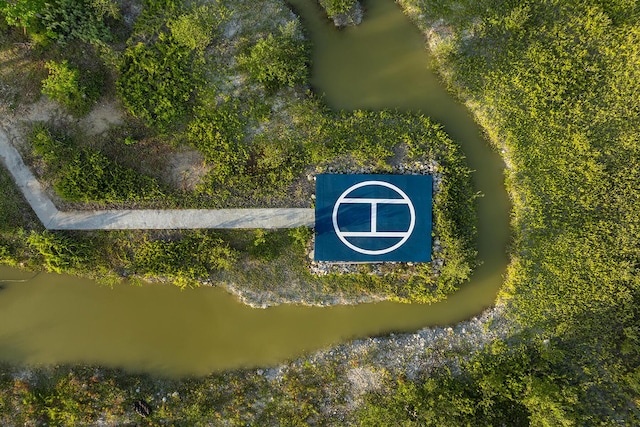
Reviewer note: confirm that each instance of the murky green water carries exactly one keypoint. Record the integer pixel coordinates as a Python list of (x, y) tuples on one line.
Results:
[(158, 328)]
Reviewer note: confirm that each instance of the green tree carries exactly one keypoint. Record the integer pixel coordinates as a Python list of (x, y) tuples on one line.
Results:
[(22, 13), (197, 28)]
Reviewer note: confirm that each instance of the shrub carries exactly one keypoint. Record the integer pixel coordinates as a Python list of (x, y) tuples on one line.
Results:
[(186, 261), (60, 253), (87, 175), (218, 135), (84, 20), (195, 30), (62, 20), (269, 244), (5, 255), (63, 85), (22, 13), (91, 177), (301, 236), (157, 81), (277, 61), (51, 149), (337, 7)]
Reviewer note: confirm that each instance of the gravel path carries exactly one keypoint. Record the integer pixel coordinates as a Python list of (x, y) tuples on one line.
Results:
[(54, 219)]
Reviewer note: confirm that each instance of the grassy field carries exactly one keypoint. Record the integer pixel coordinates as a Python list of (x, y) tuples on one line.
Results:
[(555, 85)]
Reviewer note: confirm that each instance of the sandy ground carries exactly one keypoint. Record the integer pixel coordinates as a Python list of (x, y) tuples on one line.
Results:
[(102, 118), (187, 169)]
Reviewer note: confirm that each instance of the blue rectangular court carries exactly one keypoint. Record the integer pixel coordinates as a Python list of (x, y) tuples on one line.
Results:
[(373, 218)]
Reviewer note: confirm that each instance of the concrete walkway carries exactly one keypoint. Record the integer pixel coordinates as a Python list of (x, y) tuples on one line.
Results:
[(53, 219)]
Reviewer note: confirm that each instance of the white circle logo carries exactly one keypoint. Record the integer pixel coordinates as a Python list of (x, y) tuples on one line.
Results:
[(373, 232)]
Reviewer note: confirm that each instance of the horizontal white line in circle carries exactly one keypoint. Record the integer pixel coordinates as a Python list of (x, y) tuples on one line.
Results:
[(374, 233), (370, 201)]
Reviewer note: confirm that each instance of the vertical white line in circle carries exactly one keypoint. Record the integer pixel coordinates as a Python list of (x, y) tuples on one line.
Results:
[(374, 211), (374, 217)]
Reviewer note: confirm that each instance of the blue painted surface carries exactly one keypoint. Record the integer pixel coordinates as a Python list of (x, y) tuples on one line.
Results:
[(373, 218)]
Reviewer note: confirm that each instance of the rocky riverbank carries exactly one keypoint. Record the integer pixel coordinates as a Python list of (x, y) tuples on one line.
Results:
[(325, 388)]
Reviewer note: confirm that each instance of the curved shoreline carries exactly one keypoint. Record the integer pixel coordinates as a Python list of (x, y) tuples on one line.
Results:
[(342, 323)]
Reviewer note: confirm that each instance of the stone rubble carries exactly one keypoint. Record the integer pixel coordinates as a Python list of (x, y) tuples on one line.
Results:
[(363, 365)]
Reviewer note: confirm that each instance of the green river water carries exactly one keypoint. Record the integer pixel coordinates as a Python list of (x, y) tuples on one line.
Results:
[(157, 328)]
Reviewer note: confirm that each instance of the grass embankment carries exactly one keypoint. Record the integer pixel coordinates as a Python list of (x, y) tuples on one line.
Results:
[(228, 82), (85, 396), (16, 221), (556, 84)]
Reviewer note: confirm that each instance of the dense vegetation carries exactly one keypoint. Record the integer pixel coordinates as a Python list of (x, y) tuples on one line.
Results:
[(205, 75), (162, 68), (16, 220), (66, 85), (62, 20), (555, 84), (72, 396), (277, 61), (337, 7), (84, 174)]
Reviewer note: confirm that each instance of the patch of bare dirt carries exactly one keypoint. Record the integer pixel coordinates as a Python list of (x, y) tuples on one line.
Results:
[(187, 168), (101, 118), (15, 123), (43, 110)]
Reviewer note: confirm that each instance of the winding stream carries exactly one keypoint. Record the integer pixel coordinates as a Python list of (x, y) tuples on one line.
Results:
[(156, 328)]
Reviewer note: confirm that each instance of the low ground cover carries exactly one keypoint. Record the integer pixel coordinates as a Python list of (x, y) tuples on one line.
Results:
[(16, 221)]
